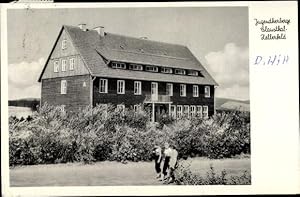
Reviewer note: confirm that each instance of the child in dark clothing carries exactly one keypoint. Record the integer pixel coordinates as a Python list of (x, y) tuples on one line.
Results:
[(157, 152)]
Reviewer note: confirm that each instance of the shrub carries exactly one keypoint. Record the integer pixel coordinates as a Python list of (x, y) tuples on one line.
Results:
[(164, 119), (98, 133), (184, 176)]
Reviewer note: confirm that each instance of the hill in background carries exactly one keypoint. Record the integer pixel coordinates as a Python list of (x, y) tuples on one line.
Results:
[(221, 103), (26, 102), (232, 104)]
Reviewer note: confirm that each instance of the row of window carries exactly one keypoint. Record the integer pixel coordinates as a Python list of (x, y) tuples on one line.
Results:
[(121, 65), (63, 65), (103, 88), (177, 111), (168, 70)]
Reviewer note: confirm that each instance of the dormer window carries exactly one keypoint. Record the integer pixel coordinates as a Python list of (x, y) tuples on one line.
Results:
[(193, 72), (118, 65), (180, 71), (166, 70), (135, 67), (152, 68)]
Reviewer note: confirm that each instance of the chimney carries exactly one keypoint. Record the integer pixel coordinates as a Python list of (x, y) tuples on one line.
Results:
[(100, 30), (82, 26)]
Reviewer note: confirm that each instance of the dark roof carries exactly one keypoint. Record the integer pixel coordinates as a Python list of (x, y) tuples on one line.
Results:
[(113, 47)]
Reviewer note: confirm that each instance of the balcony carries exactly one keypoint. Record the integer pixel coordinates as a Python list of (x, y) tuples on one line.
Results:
[(157, 99)]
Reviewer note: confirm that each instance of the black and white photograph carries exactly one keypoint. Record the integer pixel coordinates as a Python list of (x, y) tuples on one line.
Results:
[(129, 96), (148, 98)]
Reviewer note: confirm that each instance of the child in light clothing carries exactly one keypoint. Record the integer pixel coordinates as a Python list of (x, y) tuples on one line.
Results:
[(170, 163), (167, 153)]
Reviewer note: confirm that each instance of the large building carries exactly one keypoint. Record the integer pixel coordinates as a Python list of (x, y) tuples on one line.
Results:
[(91, 66)]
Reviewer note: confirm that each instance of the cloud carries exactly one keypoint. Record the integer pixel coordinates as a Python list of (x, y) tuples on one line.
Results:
[(22, 79), (230, 68)]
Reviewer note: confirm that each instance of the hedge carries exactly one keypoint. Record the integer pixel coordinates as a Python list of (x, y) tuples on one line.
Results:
[(52, 136)]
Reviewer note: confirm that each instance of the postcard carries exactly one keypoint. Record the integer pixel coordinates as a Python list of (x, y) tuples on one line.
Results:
[(185, 98)]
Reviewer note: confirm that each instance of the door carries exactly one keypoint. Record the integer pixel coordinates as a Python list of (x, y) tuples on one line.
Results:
[(154, 91)]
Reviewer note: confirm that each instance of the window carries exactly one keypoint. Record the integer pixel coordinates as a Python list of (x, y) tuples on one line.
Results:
[(64, 44), (169, 89), (166, 70), (121, 87), (195, 91), (205, 111), (137, 88), (121, 107), (63, 87), (180, 71), (137, 108), (199, 111), (72, 63), (182, 90), (173, 111), (193, 72), (135, 67), (207, 91), (193, 110), (103, 86), (179, 111), (63, 65), (186, 110), (152, 68), (118, 65), (56, 66)]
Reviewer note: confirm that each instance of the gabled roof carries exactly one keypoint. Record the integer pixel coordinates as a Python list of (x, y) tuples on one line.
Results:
[(113, 47)]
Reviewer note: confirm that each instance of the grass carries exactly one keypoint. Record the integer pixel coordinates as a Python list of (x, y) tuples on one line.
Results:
[(112, 173)]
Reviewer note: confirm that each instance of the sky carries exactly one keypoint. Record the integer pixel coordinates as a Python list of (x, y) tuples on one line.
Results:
[(217, 36)]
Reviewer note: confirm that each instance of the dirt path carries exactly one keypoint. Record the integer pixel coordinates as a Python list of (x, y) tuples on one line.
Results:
[(110, 173)]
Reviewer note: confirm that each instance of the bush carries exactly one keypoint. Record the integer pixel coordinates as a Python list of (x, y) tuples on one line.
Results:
[(184, 176), (164, 119), (222, 136), (98, 134)]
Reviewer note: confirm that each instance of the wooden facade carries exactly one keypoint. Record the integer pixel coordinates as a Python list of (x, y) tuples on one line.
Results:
[(77, 95), (129, 98), (69, 79)]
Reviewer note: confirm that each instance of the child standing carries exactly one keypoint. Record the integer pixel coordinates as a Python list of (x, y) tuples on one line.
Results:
[(170, 163), (173, 164), (157, 159), (167, 154)]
